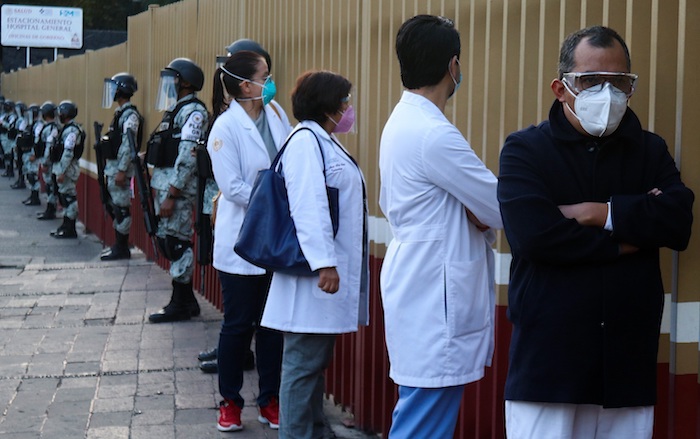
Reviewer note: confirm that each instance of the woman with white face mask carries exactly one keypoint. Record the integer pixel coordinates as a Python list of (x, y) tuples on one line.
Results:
[(312, 310), (244, 139)]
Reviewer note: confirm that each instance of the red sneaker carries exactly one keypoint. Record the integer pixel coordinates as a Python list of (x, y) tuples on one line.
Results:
[(270, 414), (229, 416)]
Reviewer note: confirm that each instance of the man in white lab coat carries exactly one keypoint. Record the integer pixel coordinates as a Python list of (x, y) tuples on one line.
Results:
[(437, 281)]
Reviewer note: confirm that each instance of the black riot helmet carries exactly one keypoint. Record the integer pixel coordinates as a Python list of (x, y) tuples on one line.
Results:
[(48, 109), (8, 106), (252, 46), (179, 70), (20, 108), (121, 84), (33, 113), (187, 70), (67, 110)]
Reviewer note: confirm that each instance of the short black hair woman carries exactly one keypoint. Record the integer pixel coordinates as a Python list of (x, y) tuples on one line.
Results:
[(312, 310), (244, 138)]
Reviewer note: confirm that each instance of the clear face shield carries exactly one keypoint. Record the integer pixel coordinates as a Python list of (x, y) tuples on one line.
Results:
[(108, 92), (167, 90), (29, 117), (347, 124)]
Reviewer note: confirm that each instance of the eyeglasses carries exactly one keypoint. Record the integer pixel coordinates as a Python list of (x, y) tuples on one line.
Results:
[(594, 81)]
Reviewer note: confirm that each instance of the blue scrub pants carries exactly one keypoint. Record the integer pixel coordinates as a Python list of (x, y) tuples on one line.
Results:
[(426, 413)]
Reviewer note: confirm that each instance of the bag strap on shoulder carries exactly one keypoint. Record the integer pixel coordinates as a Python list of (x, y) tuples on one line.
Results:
[(277, 159)]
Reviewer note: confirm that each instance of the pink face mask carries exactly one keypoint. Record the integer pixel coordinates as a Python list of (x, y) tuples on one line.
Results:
[(346, 122)]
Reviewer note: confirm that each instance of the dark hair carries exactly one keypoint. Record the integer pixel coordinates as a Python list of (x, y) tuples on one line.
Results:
[(424, 45), (317, 94), (243, 64), (598, 36)]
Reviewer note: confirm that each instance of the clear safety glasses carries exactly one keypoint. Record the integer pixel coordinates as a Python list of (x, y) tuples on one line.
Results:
[(594, 81)]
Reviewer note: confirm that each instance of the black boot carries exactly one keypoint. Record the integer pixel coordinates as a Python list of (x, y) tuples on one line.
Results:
[(67, 230), (192, 304), (19, 184), (48, 214), (9, 169), (60, 228), (33, 199), (178, 308), (120, 249)]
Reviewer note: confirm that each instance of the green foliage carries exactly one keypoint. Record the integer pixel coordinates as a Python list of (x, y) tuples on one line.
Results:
[(99, 14)]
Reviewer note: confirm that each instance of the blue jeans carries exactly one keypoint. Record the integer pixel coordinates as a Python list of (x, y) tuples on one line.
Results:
[(306, 357), (244, 299)]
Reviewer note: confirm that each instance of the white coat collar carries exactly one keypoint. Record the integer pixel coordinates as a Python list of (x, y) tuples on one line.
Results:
[(317, 129), (408, 97)]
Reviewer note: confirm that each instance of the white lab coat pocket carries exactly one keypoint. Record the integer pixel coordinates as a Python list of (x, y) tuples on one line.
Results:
[(466, 297)]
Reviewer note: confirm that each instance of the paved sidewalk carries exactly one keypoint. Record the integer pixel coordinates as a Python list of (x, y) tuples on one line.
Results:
[(78, 358)]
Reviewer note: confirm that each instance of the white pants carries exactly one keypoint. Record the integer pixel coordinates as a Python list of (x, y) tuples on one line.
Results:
[(539, 420)]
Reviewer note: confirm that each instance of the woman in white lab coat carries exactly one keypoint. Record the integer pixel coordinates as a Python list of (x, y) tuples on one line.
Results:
[(312, 310), (244, 139)]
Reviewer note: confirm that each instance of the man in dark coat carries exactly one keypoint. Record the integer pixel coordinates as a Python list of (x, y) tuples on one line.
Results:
[(588, 197)]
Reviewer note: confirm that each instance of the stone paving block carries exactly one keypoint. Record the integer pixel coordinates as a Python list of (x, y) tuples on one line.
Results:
[(26, 423), (126, 365), (83, 367), (110, 419), (63, 428), (119, 404), (14, 365), (78, 382), (155, 389), (116, 391), (111, 432), (75, 394), (195, 416), (119, 380), (154, 417), (79, 409), (195, 400), (155, 402), (152, 431)]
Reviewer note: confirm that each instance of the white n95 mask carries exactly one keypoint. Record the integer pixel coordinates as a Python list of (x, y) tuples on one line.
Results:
[(601, 111)]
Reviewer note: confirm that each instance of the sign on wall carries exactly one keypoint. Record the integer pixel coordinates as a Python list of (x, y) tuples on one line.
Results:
[(41, 26)]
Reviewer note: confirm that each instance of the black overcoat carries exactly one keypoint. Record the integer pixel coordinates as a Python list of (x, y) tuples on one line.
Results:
[(586, 319)]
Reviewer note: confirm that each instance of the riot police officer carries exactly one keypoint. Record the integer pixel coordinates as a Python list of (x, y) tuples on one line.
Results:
[(19, 134), (65, 155), (116, 150), (30, 161), (47, 139), (9, 136), (170, 151), (3, 131)]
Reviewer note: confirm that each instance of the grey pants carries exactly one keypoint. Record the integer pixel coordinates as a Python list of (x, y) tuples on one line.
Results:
[(305, 358)]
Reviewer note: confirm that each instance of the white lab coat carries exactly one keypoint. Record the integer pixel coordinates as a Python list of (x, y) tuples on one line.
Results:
[(237, 153), (297, 304), (437, 280)]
